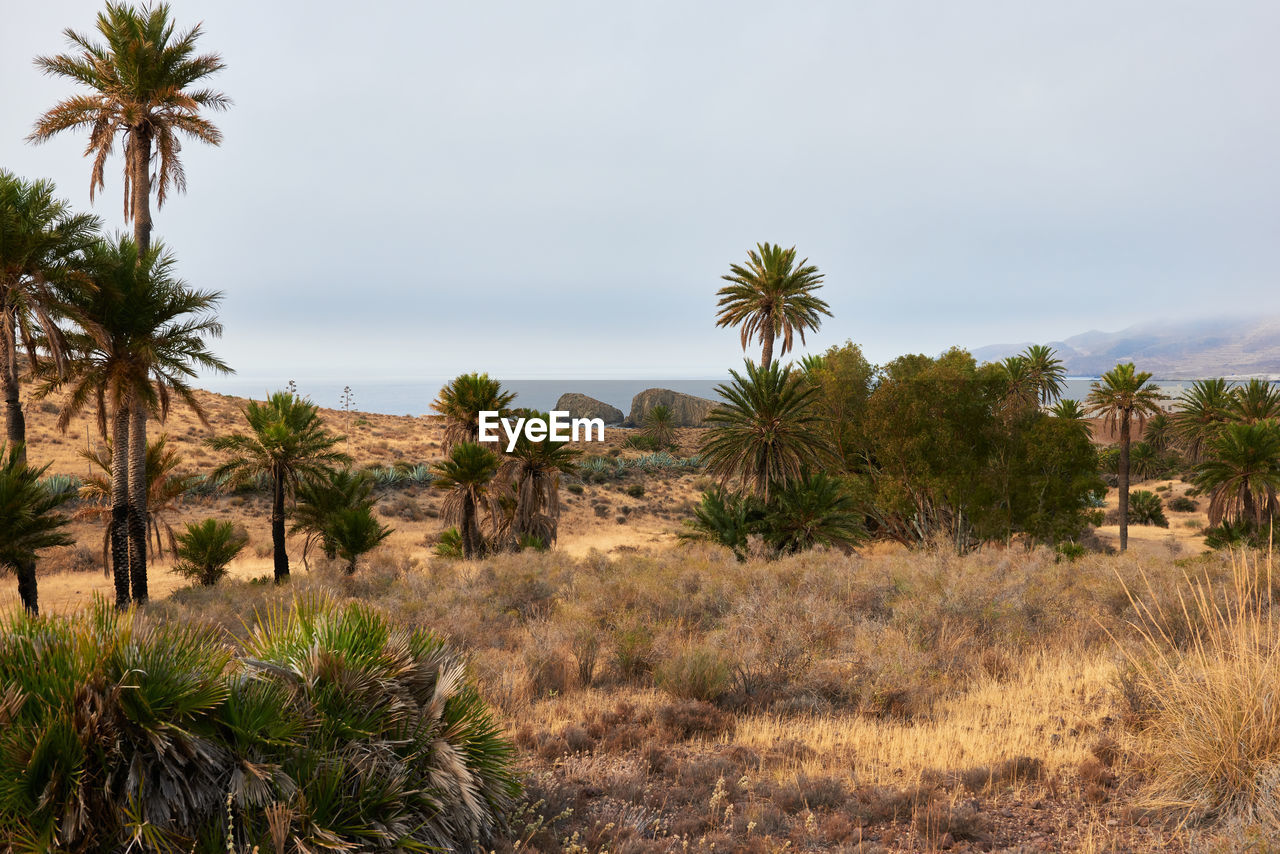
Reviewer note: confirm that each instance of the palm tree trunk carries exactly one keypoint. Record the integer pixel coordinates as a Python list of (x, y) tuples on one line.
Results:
[(767, 334), (1124, 482), (26, 572), (141, 189), (138, 501), (1250, 507), (277, 529), (468, 526), (120, 504), (15, 421)]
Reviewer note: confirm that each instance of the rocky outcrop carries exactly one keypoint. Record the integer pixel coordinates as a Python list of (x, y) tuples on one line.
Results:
[(581, 406), (688, 411)]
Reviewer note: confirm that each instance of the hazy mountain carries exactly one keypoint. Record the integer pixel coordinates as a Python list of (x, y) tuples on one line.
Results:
[(1187, 350)]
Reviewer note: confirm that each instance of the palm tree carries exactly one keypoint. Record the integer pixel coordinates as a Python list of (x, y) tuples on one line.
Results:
[(141, 341), (1021, 392), (462, 400), (533, 470), (206, 548), (1241, 473), (1158, 432), (39, 240), (28, 522), (771, 296), (286, 443), (140, 84), (1202, 410), (165, 488), (318, 500), (1123, 395), (815, 510), (767, 433), (725, 518), (1257, 400), (1046, 372), (466, 473), (659, 425), (354, 531), (1069, 410)]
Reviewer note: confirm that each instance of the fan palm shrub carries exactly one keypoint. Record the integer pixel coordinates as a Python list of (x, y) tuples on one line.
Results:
[(659, 426), (327, 727), (767, 433), (318, 500), (28, 521), (724, 518), (142, 81), (353, 532), (466, 475), (1241, 473), (462, 400), (287, 443), (1122, 396), (771, 296), (815, 510), (1147, 508), (205, 550), (166, 486)]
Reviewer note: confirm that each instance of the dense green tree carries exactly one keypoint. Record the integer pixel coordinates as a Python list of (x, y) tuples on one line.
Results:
[(28, 521), (771, 296), (844, 379), (287, 443), (142, 81), (466, 474), (1056, 479), (1122, 396), (767, 433), (462, 400)]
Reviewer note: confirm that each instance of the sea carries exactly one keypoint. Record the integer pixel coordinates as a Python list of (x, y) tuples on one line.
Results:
[(414, 397)]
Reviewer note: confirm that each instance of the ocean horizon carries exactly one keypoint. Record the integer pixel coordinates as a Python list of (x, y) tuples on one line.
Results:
[(414, 396)]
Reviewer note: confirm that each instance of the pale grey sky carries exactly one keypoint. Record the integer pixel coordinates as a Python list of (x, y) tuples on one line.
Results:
[(553, 188)]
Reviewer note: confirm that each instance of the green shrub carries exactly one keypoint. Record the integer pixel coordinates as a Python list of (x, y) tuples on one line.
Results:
[(206, 548), (125, 735), (1146, 508), (694, 673), (450, 545), (635, 490), (1182, 504), (575, 488)]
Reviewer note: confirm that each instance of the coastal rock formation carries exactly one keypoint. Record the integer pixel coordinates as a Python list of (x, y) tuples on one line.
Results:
[(581, 406), (688, 411)]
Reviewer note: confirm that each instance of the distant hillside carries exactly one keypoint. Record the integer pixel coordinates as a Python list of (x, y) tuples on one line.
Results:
[(1199, 348)]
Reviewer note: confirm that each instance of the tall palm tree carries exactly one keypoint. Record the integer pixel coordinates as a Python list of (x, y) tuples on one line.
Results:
[(1046, 372), (1021, 393), (467, 474), (462, 400), (1257, 400), (1201, 412), (1241, 472), (354, 531), (533, 470), (767, 433), (771, 296), (28, 522), (1069, 410), (142, 340), (1123, 395), (287, 443), (40, 238), (166, 486), (141, 88), (660, 425), (1158, 432)]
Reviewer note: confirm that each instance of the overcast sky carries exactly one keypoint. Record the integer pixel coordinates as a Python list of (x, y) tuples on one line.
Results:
[(554, 189)]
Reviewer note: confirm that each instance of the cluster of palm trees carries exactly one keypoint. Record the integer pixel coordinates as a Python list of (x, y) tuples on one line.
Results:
[(106, 320), (516, 494)]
